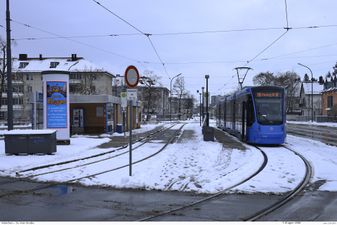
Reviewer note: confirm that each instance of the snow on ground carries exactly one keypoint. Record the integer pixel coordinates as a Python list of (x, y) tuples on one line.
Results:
[(322, 157), (189, 164), (325, 124)]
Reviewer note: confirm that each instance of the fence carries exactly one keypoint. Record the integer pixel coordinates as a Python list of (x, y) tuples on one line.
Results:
[(319, 119)]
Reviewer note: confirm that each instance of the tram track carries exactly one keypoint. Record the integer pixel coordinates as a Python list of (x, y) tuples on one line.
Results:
[(299, 188), (211, 197), (143, 140), (290, 195), (77, 179), (97, 155)]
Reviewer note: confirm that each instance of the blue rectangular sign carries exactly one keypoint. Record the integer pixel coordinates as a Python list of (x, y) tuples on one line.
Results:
[(56, 104)]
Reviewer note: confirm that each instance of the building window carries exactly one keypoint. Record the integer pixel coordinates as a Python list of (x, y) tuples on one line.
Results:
[(75, 76), (17, 101), (18, 89), (54, 64), (4, 101), (2, 115), (23, 65), (330, 101), (99, 111)]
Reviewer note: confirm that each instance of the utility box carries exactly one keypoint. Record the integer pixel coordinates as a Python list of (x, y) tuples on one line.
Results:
[(30, 141), (208, 133), (119, 128)]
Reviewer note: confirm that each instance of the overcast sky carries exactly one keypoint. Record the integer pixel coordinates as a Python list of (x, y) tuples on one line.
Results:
[(183, 34)]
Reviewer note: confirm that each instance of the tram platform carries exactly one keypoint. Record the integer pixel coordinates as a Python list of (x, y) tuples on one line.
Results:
[(228, 140)]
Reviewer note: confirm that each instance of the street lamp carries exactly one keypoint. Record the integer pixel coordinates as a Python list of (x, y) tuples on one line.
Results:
[(171, 93), (199, 105), (312, 91), (207, 113)]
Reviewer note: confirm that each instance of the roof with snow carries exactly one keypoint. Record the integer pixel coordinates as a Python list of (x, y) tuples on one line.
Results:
[(317, 88), (77, 64), (332, 89), (330, 78)]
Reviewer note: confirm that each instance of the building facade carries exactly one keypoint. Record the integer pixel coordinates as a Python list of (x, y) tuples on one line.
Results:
[(91, 94), (329, 97), (311, 99)]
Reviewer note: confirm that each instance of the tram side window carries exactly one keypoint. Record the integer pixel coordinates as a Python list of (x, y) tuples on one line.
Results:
[(250, 112)]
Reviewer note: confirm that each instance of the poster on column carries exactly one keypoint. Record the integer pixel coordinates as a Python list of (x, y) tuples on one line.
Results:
[(56, 104)]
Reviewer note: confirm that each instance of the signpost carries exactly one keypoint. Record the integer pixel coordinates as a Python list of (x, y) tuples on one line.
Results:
[(131, 79), (124, 104)]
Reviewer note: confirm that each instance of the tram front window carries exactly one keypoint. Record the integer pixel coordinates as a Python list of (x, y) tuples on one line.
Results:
[(269, 110)]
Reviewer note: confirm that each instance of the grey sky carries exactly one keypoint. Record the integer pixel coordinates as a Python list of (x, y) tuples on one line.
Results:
[(193, 55)]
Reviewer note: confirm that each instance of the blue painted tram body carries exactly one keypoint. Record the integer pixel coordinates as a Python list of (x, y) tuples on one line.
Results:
[(254, 114)]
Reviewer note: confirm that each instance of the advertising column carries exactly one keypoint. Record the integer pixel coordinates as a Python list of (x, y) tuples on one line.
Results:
[(56, 104)]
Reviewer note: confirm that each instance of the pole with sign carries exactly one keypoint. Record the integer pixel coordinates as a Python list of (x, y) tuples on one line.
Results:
[(124, 104), (131, 79)]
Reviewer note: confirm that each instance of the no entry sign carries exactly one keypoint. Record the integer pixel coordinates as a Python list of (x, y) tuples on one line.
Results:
[(131, 76)]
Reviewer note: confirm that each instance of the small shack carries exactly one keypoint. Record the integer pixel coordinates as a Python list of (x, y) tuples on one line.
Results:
[(92, 114)]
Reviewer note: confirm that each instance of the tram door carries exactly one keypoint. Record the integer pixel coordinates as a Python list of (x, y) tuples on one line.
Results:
[(244, 120), (78, 121)]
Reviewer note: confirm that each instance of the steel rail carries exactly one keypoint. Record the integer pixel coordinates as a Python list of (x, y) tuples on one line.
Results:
[(26, 178), (211, 197), (92, 156), (17, 192), (147, 139), (289, 196)]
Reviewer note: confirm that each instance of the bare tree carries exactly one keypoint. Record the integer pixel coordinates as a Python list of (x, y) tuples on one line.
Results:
[(180, 90), (3, 68), (264, 79), (289, 80), (150, 95), (86, 85)]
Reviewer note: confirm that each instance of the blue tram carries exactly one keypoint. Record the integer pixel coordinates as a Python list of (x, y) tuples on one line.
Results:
[(254, 114)]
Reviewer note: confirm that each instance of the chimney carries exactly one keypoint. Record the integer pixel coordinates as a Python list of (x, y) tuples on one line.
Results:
[(73, 57), (23, 56)]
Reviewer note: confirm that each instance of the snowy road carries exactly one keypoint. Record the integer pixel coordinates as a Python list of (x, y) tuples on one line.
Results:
[(193, 167)]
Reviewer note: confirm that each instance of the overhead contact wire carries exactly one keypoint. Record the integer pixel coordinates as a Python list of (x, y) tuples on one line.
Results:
[(76, 41), (266, 48), (138, 30)]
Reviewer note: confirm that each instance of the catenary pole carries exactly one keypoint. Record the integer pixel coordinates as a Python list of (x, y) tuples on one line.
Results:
[(9, 71)]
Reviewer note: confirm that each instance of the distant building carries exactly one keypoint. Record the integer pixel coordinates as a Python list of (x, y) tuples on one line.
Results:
[(215, 99), (155, 100), (329, 96), (181, 109), (306, 95)]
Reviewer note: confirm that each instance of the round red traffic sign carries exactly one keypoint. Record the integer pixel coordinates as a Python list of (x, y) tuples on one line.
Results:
[(131, 76)]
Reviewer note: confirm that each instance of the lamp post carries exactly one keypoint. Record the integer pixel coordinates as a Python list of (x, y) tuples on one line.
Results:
[(199, 106), (207, 113), (171, 93), (312, 91), (202, 102)]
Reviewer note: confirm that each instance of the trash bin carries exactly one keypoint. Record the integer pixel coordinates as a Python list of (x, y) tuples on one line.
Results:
[(119, 128), (30, 141), (208, 133)]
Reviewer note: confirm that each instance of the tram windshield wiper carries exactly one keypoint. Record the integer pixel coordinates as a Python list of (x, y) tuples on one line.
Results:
[(264, 116)]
